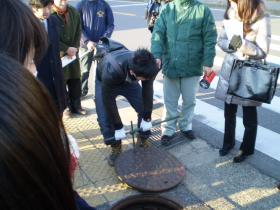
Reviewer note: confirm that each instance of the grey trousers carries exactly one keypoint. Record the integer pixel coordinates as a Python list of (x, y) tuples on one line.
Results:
[(172, 90)]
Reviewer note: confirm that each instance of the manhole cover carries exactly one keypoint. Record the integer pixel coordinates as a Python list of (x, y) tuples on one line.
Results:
[(149, 169), (146, 202)]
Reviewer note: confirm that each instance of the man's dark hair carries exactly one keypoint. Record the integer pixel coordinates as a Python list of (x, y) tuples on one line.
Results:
[(21, 32), (34, 150), (40, 3), (144, 64)]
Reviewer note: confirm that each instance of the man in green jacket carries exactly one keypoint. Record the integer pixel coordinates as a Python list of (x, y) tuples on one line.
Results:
[(183, 42), (70, 34)]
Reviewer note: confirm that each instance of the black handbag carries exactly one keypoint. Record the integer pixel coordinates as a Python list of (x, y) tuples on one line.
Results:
[(255, 81)]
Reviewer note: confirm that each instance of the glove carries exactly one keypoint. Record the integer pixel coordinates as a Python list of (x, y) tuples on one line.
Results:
[(145, 125), (235, 42), (120, 134)]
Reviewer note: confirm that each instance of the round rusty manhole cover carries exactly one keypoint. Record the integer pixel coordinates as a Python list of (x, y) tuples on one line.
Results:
[(146, 202), (149, 169)]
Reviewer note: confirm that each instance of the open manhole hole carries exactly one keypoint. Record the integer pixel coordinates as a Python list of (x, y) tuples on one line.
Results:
[(146, 202)]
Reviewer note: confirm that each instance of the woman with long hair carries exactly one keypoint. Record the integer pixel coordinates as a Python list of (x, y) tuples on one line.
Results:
[(253, 44), (34, 150)]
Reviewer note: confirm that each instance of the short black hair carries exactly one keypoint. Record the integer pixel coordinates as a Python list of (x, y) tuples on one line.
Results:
[(144, 64), (40, 3)]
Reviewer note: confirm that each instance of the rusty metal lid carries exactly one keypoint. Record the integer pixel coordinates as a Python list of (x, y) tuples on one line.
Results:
[(149, 169)]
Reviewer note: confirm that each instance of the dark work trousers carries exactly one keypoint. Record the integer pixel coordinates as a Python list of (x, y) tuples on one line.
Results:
[(74, 94), (86, 63), (250, 123), (131, 91)]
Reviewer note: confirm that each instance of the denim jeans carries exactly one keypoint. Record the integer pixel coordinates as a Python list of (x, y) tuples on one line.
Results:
[(131, 91)]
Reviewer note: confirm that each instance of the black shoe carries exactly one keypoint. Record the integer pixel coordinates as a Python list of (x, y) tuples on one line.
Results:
[(225, 151), (79, 111), (240, 157), (189, 134), (166, 140), (278, 186)]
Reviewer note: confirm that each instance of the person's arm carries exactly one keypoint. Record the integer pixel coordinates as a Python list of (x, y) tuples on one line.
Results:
[(209, 38), (110, 105), (62, 48), (159, 36), (147, 9), (223, 41), (78, 31), (147, 97), (84, 36), (109, 22), (260, 48)]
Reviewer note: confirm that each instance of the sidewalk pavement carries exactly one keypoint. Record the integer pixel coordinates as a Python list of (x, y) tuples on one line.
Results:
[(211, 182)]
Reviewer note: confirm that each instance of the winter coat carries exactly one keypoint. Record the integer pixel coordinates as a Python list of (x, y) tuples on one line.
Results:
[(113, 71), (184, 38), (255, 46), (49, 69), (97, 20), (70, 35)]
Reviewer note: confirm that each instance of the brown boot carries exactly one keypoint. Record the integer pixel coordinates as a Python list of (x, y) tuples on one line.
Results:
[(142, 142), (115, 152)]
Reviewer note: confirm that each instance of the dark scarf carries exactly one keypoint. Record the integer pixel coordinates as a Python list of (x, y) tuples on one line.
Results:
[(62, 13)]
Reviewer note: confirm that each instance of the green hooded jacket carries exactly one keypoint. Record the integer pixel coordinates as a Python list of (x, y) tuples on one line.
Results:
[(184, 38)]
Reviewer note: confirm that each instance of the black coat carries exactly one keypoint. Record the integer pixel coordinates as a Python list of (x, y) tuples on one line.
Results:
[(113, 70), (50, 68)]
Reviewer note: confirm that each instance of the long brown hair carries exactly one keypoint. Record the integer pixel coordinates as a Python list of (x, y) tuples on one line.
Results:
[(249, 11), (21, 32), (34, 150)]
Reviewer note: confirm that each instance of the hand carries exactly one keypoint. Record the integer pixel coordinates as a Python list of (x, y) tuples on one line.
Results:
[(71, 51), (120, 134), (158, 61), (91, 45), (235, 42), (207, 70), (145, 125)]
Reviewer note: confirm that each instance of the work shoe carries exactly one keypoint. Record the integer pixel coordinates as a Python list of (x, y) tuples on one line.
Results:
[(142, 142), (115, 152), (166, 140), (189, 134), (240, 157)]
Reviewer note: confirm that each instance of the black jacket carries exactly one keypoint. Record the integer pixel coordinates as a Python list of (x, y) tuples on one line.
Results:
[(113, 70), (50, 69)]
